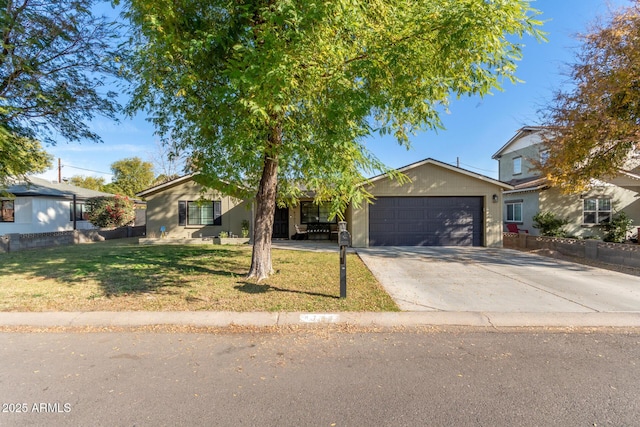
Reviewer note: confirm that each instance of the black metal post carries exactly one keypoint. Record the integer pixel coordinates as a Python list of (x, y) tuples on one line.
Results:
[(343, 271)]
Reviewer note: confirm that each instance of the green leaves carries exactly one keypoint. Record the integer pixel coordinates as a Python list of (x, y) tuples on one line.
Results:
[(130, 176), (114, 211), (20, 156), (53, 61), (327, 73)]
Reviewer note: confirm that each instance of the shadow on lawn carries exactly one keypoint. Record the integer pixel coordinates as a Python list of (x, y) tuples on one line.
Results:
[(125, 269), (252, 288)]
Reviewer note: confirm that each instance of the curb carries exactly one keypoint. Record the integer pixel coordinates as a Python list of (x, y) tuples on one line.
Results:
[(367, 319)]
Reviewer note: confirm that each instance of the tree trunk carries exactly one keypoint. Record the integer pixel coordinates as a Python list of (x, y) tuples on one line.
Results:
[(261, 267)]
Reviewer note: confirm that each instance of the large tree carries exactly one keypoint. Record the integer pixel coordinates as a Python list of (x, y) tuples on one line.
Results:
[(90, 182), (53, 59), (278, 95), (20, 156), (130, 176), (595, 122)]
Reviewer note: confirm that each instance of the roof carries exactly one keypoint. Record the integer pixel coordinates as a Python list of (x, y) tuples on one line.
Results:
[(520, 133), (161, 187), (529, 185), (169, 184), (449, 167), (42, 187)]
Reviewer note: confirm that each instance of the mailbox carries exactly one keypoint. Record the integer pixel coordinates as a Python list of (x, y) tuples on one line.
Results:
[(344, 237)]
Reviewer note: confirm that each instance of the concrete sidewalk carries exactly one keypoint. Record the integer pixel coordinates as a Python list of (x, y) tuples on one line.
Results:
[(265, 319)]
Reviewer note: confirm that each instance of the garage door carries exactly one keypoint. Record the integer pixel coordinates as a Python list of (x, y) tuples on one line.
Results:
[(426, 221)]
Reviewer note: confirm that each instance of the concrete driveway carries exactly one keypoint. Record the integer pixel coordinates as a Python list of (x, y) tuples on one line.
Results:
[(497, 280)]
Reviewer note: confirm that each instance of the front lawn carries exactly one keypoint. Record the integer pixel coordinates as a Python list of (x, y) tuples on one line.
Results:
[(120, 275)]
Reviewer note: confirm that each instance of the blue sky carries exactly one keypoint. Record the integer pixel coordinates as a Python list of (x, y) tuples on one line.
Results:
[(475, 128)]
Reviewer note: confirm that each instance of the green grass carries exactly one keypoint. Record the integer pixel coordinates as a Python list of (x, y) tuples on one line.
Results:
[(120, 275)]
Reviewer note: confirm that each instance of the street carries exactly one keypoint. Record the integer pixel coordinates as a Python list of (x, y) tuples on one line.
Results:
[(324, 376)]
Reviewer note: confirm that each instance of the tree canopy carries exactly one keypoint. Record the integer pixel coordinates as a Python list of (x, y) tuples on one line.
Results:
[(90, 182), (130, 176), (20, 156), (595, 123), (274, 97), (53, 59)]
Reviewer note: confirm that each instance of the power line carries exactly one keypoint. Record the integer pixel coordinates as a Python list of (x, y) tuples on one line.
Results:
[(480, 169), (88, 170)]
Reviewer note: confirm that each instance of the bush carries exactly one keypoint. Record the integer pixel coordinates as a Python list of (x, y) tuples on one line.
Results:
[(549, 225), (115, 211), (616, 229)]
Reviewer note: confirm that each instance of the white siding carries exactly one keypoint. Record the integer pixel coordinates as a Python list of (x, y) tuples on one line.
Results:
[(41, 215)]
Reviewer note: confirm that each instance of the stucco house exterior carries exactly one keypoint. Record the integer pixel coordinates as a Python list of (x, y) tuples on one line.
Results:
[(41, 206), (532, 194), (183, 208), (442, 205)]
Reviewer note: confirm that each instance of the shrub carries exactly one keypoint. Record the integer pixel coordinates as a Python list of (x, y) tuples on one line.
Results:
[(245, 228), (549, 225), (115, 211), (616, 229)]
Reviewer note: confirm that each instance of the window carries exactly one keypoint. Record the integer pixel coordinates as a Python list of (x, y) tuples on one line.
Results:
[(200, 213), (544, 156), (81, 212), (310, 212), (514, 211), (7, 212), (517, 165), (596, 211)]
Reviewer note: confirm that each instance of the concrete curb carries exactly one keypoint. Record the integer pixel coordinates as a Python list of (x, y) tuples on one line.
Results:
[(261, 319)]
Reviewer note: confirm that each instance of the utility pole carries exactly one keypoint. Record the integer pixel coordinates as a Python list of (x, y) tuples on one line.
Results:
[(59, 171)]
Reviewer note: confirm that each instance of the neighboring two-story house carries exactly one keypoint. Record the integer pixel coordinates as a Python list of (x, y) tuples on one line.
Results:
[(532, 194)]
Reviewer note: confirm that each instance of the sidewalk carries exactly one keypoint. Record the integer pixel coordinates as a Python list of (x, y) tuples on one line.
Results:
[(265, 319)]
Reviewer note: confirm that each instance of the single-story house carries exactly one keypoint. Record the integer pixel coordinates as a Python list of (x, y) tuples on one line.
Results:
[(42, 206), (442, 205), (182, 208)]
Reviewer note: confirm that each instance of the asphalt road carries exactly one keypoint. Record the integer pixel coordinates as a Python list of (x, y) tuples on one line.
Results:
[(323, 377)]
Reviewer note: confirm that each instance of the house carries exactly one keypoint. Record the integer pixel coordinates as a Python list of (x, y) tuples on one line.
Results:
[(532, 194), (41, 206), (182, 208), (442, 205)]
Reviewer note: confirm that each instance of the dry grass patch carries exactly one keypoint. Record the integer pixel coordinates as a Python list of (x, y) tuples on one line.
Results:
[(120, 275)]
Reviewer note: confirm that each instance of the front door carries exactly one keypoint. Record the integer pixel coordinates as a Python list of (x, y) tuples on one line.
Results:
[(281, 224)]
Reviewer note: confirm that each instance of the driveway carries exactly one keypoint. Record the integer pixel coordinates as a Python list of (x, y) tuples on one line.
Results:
[(497, 280)]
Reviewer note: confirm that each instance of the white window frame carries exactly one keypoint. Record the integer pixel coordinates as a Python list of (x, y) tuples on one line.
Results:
[(600, 208), (517, 165), (514, 218)]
